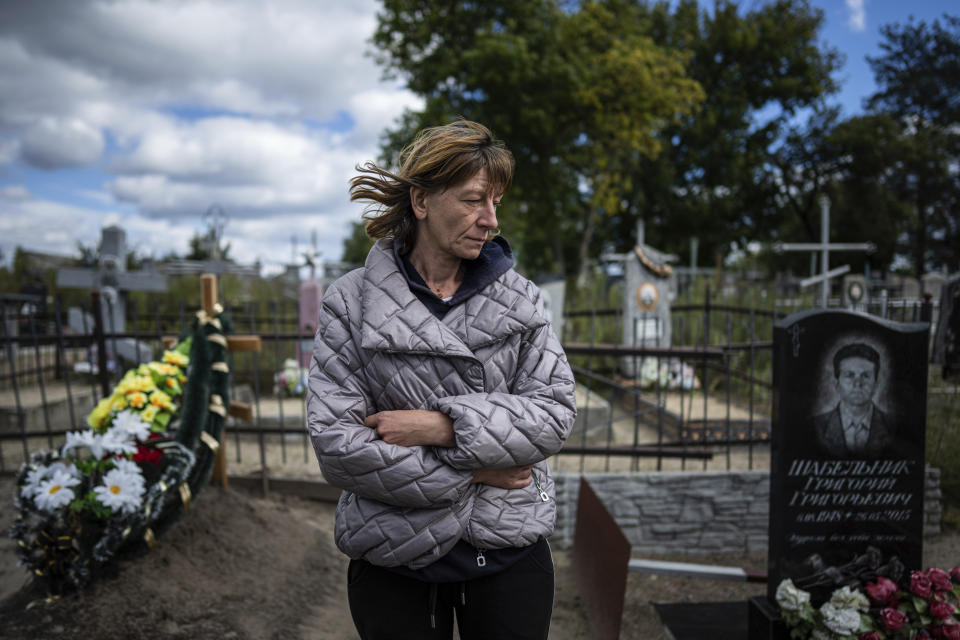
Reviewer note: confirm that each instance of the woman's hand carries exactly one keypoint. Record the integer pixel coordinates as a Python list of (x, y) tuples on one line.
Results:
[(508, 478), (413, 427)]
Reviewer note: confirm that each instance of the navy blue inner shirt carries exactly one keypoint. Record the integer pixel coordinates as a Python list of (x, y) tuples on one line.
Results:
[(461, 563)]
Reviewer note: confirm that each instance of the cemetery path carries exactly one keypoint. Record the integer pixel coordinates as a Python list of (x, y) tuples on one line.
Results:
[(239, 566)]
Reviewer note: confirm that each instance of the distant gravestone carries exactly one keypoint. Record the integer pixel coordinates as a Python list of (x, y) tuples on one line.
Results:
[(311, 293), (553, 294), (649, 288), (909, 288), (79, 321), (112, 279), (854, 291), (847, 467), (933, 283)]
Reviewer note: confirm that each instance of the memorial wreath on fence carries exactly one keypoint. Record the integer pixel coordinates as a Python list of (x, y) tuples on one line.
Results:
[(150, 448)]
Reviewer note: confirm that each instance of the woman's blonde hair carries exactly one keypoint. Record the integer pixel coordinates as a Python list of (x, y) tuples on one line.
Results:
[(437, 159)]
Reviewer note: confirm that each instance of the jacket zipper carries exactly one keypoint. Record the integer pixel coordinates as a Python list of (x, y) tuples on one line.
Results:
[(544, 496)]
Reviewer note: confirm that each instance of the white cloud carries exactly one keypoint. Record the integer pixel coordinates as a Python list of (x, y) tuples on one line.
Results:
[(249, 167), (14, 192), (54, 143), (9, 150), (42, 224), (187, 104), (266, 57), (858, 14)]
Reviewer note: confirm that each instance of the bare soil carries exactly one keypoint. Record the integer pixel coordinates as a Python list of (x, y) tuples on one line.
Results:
[(238, 566)]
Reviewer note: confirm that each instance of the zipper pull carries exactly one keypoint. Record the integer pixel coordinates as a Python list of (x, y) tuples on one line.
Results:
[(543, 494), (481, 561)]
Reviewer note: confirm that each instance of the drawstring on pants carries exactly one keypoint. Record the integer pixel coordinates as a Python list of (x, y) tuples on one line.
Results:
[(433, 605), (433, 601)]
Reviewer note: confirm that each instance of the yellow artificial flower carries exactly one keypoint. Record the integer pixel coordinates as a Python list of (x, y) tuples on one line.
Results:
[(140, 383), (119, 402), (137, 399), (160, 399), (175, 357), (124, 385), (99, 413), (149, 413), (163, 369)]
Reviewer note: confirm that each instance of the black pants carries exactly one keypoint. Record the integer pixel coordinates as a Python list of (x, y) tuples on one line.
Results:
[(515, 603)]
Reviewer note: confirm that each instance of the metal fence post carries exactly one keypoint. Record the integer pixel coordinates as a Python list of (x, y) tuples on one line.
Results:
[(926, 308)]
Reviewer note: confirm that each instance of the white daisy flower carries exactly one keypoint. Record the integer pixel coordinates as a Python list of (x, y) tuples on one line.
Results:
[(120, 491), (132, 422), (56, 492), (32, 482), (128, 466), (38, 475), (89, 439), (119, 441), (132, 469)]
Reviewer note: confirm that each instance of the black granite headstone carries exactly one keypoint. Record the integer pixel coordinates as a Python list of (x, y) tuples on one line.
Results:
[(847, 468)]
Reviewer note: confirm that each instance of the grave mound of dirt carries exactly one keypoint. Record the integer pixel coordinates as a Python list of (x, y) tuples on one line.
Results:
[(238, 566)]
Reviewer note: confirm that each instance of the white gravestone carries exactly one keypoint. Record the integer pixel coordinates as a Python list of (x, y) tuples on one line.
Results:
[(649, 288), (553, 294)]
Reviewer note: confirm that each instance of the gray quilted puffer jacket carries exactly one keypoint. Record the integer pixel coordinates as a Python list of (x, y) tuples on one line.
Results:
[(492, 364)]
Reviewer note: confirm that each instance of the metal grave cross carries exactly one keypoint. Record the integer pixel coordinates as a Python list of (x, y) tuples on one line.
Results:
[(824, 247), (112, 279)]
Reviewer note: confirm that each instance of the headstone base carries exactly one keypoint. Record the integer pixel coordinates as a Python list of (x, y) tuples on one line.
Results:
[(763, 621), (701, 620)]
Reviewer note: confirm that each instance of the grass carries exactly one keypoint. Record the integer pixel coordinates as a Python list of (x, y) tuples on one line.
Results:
[(943, 440)]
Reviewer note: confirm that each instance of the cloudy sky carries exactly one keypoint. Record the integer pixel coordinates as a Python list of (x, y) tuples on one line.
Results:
[(145, 113)]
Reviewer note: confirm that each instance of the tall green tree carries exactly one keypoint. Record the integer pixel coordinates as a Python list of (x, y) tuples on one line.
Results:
[(917, 79), (357, 245), (852, 162), (758, 67), (578, 92)]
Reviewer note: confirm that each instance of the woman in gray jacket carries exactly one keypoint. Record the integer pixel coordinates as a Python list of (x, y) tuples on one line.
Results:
[(437, 392)]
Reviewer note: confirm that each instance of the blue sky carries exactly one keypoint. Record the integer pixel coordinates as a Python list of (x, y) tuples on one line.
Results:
[(145, 114), (853, 27)]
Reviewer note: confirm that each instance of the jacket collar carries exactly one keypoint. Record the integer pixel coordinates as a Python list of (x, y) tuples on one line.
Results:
[(395, 320)]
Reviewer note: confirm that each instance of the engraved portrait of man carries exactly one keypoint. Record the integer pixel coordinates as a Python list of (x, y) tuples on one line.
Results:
[(856, 427)]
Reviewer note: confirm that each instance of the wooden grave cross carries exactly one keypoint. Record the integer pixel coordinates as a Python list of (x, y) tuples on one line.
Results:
[(240, 410)]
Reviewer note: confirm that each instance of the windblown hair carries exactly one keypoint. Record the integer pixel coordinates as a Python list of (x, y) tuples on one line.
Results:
[(856, 350), (437, 159)]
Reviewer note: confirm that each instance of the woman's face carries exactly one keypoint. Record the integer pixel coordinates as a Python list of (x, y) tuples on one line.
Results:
[(456, 221)]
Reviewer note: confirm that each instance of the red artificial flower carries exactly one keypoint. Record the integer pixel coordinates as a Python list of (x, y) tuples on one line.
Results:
[(148, 455), (940, 579), (920, 584), (941, 610), (881, 591), (949, 631), (955, 573), (871, 635), (893, 620)]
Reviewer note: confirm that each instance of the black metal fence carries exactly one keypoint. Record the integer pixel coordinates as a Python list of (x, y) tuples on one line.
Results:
[(703, 401)]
